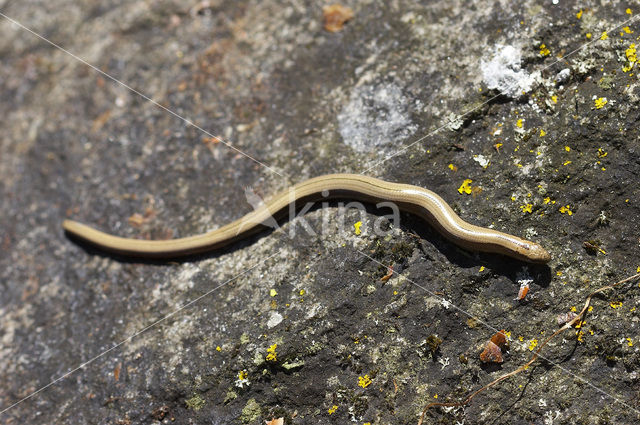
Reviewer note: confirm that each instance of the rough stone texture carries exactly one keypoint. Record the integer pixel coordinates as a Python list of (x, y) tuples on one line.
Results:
[(266, 77)]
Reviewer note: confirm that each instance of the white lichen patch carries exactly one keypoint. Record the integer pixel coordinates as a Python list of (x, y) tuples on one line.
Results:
[(523, 277), (444, 361), (184, 279), (503, 72), (333, 381), (550, 417), (314, 311), (241, 382), (454, 122), (13, 322), (530, 233), (274, 319), (482, 160), (376, 116), (563, 75)]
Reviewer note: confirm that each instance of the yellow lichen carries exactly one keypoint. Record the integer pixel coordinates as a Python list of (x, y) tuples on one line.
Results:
[(565, 210), (544, 50), (526, 208), (332, 409), (600, 102), (533, 344), (271, 353), (632, 57), (364, 381), (579, 14), (357, 227), (617, 304), (542, 133), (604, 36), (465, 187)]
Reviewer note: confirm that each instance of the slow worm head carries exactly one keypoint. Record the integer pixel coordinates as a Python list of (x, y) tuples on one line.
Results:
[(415, 199)]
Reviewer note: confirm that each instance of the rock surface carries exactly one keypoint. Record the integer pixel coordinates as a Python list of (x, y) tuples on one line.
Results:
[(297, 324)]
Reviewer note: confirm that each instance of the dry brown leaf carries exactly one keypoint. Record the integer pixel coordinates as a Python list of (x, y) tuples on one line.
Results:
[(388, 275), (493, 351), (99, 122), (136, 220), (335, 16)]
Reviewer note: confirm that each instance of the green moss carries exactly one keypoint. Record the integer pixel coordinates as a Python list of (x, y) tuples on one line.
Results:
[(195, 403), (258, 358), (293, 364), (231, 395), (389, 254), (250, 412), (433, 343), (605, 82), (402, 249), (314, 348)]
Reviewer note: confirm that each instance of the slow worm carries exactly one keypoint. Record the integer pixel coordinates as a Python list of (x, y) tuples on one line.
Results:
[(417, 200)]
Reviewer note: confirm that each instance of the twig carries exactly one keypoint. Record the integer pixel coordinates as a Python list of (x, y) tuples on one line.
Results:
[(535, 355)]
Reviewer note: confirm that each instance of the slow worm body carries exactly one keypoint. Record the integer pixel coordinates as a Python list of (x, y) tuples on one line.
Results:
[(420, 201)]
